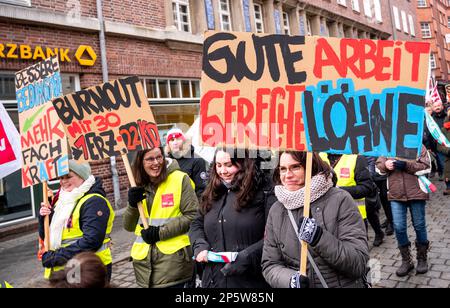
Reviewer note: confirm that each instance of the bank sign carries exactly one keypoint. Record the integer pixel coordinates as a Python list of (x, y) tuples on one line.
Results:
[(85, 55)]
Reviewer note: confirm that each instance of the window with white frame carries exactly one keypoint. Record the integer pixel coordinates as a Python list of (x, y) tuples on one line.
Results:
[(412, 28), (377, 8), (308, 26), (405, 22), (432, 61), (421, 3), (426, 29), (367, 8), (397, 18), (173, 89), (342, 2), (286, 28), (225, 15), (355, 5), (259, 21), (181, 15), (17, 2)]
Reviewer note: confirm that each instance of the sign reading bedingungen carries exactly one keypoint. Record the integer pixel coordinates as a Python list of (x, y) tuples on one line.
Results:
[(313, 93)]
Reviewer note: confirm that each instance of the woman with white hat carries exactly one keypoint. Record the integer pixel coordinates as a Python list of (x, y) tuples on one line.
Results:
[(81, 220)]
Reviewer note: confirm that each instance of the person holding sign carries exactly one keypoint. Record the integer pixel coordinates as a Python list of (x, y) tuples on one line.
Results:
[(81, 220), (405, 191), (231, 219), (161, 254), (335, 232), (180, 148), (446, 152)]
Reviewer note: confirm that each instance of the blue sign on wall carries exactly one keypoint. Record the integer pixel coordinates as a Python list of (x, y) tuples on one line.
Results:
[(246, 6), (276, 15), (302, 25), (209, 14)]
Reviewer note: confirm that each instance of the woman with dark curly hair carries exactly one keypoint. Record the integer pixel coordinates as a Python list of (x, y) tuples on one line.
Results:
[(232, 217)]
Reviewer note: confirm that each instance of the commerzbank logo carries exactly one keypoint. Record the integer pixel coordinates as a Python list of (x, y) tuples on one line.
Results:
[(84, 54)]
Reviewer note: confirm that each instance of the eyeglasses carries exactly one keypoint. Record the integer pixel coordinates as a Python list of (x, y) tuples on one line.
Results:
[(157, 159), (295, 169)]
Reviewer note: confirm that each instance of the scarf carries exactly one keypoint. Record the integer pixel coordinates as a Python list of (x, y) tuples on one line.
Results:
[(295, 199), (63, 210)]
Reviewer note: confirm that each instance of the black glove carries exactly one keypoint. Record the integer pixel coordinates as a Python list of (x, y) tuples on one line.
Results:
[(135, 195), (309, 231), (299, 281), (400, 165), (238, 267), (52, 258), (150, 235)]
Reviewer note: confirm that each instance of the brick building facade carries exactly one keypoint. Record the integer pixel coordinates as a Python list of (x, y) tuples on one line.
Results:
[(161, 42)]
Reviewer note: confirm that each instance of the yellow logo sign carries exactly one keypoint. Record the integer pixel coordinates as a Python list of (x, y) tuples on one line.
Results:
[(26, 52), (90, 52)]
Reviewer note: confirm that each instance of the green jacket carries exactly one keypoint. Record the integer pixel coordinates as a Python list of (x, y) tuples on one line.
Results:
[(159, 270)]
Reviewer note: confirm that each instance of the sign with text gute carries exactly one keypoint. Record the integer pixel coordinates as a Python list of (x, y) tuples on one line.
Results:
[(107, 120), (313, 93), (42, 137)]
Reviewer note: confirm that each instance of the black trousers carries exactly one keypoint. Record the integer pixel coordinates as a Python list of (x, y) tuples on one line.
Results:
[(382, 186)]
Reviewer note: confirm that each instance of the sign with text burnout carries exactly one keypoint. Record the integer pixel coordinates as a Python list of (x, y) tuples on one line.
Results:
[(107, 120)]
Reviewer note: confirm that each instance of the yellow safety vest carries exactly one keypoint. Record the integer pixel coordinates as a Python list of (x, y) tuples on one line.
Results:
[(345, 171), (73, 234), (5, 285), (166, 206)]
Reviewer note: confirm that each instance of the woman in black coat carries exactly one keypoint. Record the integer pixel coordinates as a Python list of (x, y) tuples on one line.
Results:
[(232, 218)]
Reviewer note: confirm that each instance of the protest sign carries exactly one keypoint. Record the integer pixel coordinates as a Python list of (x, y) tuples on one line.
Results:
[(313, 93), (9, 145), (108, 120), (43, 141)]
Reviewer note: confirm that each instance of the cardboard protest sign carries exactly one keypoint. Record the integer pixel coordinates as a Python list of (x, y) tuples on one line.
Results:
[(9, 145), (43, 141), (108, 120), (313, 93)]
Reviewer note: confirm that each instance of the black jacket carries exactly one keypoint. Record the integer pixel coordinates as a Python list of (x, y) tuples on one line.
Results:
[(364, 184), (195, 167), (94, 215), (223, 228)]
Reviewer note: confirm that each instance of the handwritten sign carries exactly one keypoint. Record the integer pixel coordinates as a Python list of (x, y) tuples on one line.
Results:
[(313, 93), (108, 120), (43, 141)]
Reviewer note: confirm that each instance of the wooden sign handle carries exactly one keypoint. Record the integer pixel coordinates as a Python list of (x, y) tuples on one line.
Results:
[(133, 184), (46, 219), (306, 207)]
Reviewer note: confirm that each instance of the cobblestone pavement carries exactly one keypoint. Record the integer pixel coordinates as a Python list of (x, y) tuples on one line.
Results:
[(385, 257)]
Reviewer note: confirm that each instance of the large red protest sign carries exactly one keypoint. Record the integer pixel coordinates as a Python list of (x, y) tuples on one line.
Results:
[(313, 93), (43, 141), (108, 120)]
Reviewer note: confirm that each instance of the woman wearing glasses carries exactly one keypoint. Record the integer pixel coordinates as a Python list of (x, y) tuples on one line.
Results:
[(231, 218), (161, 254), (335, 230)]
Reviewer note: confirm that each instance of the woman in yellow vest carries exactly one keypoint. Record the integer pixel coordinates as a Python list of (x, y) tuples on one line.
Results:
[(161, 254), (81, 220)]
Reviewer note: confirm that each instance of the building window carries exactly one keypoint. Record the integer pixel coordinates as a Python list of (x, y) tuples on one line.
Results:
[(405, 22), (426, 30), (421, 3), (160, 89), (259, 22), (432, 61), (342, 2), (181, 15), (286, 27), (377, 7), (397, 18), (17, 2), (448, 22), (355, 5), (367, 8), (225, 15), (308, 26), (412, 29)]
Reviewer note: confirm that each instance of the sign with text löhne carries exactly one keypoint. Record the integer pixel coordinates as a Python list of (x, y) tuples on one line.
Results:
[(108, 120), (313, 93), (43, 141)]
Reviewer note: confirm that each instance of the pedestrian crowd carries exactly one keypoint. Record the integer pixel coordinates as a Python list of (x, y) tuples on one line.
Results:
[(234, 224)]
